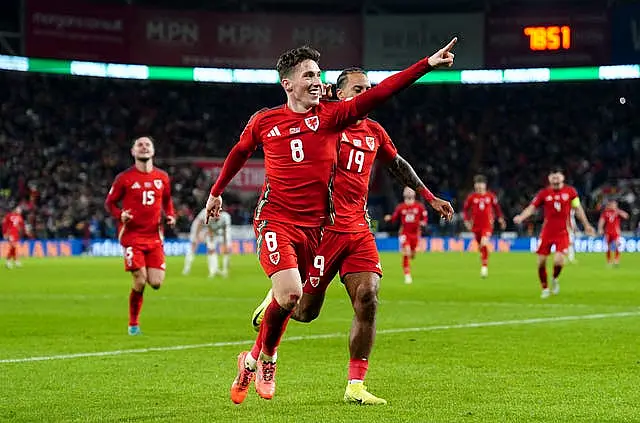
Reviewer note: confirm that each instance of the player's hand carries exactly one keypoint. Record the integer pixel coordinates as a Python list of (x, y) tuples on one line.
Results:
[(387, 218), (214, 206), (468, 225), (590, 231), (443, 207), (443, 58), (126, 216), (518, 219), (171, 221), (502, 223)]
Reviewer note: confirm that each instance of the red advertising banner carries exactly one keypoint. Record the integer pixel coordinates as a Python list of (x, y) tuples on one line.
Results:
[(76, 30), (248, 180), (520, 38), (204, 39)]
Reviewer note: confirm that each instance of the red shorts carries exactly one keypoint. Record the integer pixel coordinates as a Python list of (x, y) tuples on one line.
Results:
[(344, 253), (409, 241), (561, 242), (282, 246), (147, 254), (12, 238), (611, 238), (482, 232)]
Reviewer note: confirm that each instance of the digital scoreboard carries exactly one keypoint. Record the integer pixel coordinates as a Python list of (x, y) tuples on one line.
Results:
[(534, 39)]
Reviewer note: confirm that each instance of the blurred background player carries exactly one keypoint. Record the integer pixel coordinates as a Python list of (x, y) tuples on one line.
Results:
[(216, 235), (144, 191), (12, 230), (348, 247), (480, 209), (573, 233), (557, 201), (413, 216), (609, 226)]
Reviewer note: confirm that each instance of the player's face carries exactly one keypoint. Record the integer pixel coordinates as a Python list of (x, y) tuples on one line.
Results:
[(612, 205), (480, 187), (409, 195), (304, 84), (143, 149), (356, 84), (556, 180)]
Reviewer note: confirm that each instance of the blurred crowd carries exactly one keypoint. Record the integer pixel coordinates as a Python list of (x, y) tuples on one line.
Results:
[(64, 139)]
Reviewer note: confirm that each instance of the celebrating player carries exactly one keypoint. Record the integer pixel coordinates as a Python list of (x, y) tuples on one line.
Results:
[(12, 230), (480, 209), (216, 234), (413, 216), (299, 141), (609, 226), (348, 247), (557, 200), (145, 191)]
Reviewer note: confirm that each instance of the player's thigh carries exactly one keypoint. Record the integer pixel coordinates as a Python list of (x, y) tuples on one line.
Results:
[(412, 243), (544, 248), (134, 257), (485, 237), (562, 244), (211, 242), (363, 291), (326, 263), (156, 265), (277, 245), (287, 287)]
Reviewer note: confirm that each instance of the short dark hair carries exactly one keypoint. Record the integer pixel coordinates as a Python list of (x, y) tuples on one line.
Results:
[(556, 169), (479, 179), (342, 78), (292, 58)]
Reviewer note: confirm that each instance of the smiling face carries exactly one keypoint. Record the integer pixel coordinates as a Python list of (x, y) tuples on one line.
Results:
[(303, 85)]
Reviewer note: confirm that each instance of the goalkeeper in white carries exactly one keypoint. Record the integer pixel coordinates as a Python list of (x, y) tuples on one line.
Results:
[(216, 235)]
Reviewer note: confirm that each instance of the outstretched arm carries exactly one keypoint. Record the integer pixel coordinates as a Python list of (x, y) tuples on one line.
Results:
[(623, 214), (404, 173), (525, 214)]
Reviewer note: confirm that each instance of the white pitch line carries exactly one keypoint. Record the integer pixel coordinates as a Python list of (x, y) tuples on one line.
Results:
[(328, 336)]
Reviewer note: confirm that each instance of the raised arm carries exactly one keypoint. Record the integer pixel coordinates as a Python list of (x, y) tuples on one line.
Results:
[(623, 214)]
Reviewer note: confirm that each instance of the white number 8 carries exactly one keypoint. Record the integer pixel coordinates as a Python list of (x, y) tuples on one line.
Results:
[(318, 263), (272, 242), (297, 153)]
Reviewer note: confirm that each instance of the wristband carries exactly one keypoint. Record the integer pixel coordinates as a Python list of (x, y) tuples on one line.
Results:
[(426, 194)]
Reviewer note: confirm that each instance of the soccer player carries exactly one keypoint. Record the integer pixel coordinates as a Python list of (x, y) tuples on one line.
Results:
[(348, 247), (12, 230), (480, 209), (413, 216), (557, 201), (299, 140), (609, 226), (217, 233), (145, 192)]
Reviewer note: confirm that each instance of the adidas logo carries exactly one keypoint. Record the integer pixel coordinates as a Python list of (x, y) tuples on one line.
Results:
[(135, 185), (275, 132)]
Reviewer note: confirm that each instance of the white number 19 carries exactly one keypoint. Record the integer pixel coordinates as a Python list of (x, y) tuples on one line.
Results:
[(358, 159)]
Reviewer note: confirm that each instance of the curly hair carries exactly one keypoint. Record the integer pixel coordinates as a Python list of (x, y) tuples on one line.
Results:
[(292, 58)]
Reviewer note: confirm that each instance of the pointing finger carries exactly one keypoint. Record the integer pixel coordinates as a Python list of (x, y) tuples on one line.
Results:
[(452, 43)]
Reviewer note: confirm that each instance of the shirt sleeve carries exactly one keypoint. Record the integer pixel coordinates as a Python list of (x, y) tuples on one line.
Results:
[(167, 201), (496, 206), (350, 110), (538, 200), (387, 150), (238, 156), (424, 215), (395, 215), (466, 209), (113, 198)]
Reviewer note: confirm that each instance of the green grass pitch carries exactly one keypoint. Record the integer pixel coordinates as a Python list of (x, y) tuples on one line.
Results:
[(451, 347)]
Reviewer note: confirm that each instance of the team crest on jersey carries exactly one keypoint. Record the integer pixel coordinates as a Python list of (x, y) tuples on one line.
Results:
[(371, 142), (275, 258), (312, 122), (157, 183), (315, 281), (549, 198), (565, 197)]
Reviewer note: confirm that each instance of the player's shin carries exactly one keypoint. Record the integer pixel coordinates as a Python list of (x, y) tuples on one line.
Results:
[(188, 261), (212, 260), (406, 265), (135, 306), (484, 255), (542, 275), (225, 263)]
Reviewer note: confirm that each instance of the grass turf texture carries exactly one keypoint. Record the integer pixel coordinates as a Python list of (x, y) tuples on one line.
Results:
[(548, 370)]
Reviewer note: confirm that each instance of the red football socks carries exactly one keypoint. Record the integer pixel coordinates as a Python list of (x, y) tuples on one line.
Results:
[(273, 327), (556, 270), (135, 305), (11, 254), (484, 255), (406, 266), (617, 255), (358, 368), (542, 274), (608, 256), (257, 346)]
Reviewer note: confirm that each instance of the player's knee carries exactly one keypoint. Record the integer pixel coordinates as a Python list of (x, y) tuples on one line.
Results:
[(307, 314), (289, 298), (366, 300)]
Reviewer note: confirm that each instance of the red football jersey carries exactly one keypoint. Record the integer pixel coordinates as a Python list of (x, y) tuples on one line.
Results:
[(13, 224), (360, 145), (145, 195), (301, 152), (557, 209), (611, 222), (412, 216), (482, 209)]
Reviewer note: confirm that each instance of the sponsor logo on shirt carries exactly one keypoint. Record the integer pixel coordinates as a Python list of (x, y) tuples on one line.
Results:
[(294, 130), (135, 185), (275, 132)]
